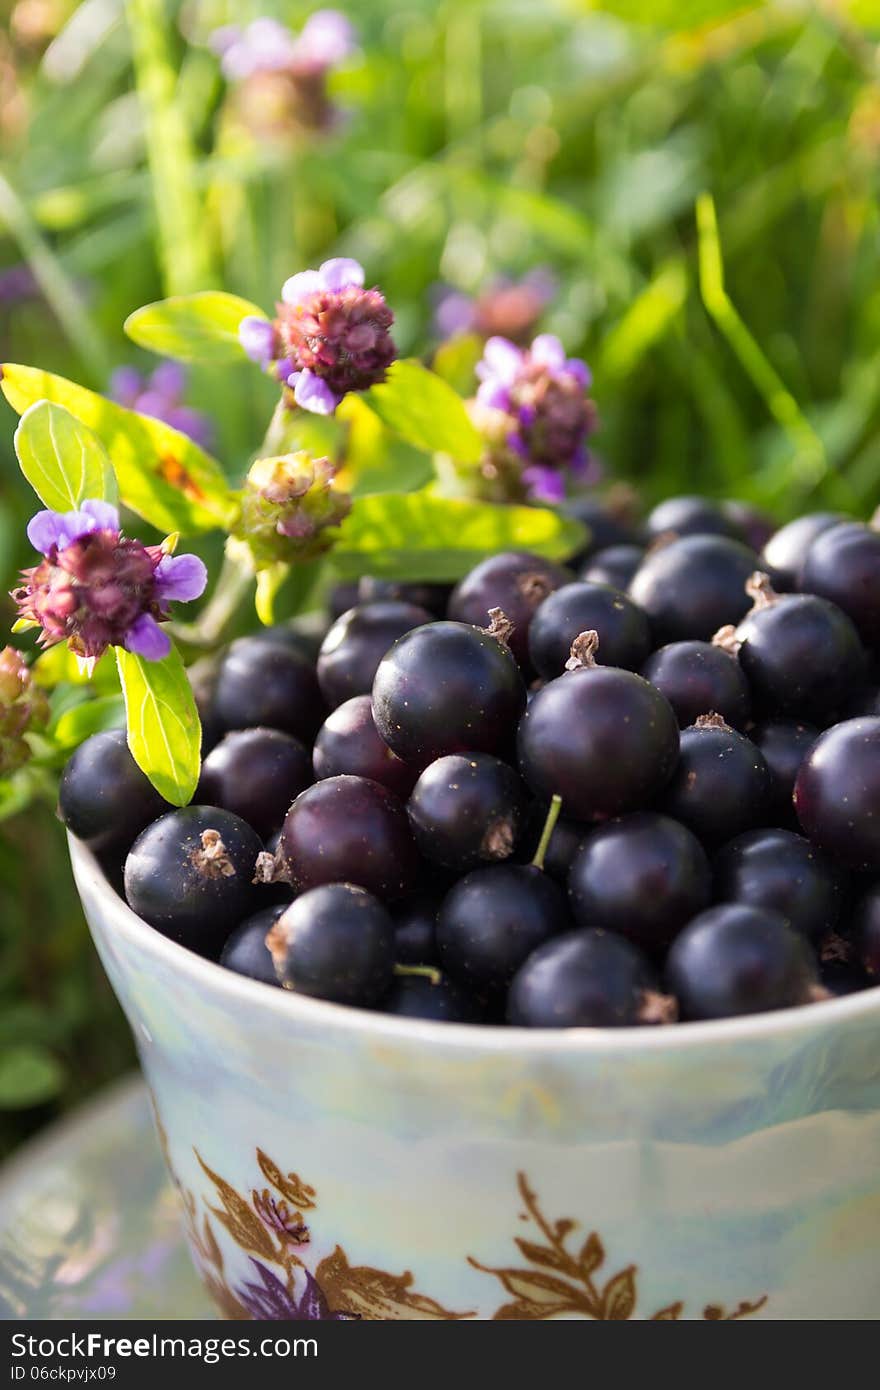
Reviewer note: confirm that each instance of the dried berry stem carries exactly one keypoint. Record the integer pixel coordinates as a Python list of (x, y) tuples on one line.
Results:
[(500, 627), (583, 651)]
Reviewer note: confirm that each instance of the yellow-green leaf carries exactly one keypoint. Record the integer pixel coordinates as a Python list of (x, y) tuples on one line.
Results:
[(164, 733), (162, 475), (64, 462), (425, 411), (193, 327)]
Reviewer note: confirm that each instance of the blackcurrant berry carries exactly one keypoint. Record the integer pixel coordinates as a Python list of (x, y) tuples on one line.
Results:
[(268, 684), (440, 1000), (467, 809), (246, 951), (841, 978), (586, 979), (104, 798), (349, 830), (603, 739), (691, 587), (356, 643), (434, 597), (415, 930), (615, 565), (447, 688), (696, 677), (801, 654), (624, 636), (644, 876), (565, 840), (837, 793), (753, 526), (348, 742), (721, 785), (256, 773), (190, 875), (342, 597), (514, 581), (335, 942), (493, 919), (843, 565), (866, 931), (782, 871), (734, 960), (865, 701), (784, 744), (606, 525), (787, 548), (690, 516)]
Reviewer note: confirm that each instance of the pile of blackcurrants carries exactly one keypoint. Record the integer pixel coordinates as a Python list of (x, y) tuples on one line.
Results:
[(643, 789)]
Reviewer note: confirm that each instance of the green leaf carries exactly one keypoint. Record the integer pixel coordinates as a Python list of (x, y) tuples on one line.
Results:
[(456, 361), (421, 536), (375, 459), (89, 717), (29, 1075), (425, 411), (164, 733), (193, 327), (64, 462), (162, 474), (58, 664)]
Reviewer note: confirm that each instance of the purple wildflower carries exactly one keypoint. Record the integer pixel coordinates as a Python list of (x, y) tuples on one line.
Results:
[(160, 396), (271, 1301), (96, 588), (507, 308), (543, 394), (331, 335)]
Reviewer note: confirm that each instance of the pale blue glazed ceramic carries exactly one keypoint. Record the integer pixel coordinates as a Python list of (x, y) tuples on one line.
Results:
[(336, 1162)]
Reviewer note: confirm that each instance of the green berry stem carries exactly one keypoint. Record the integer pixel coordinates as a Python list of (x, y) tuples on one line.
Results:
[(546, 833), (430, 972)]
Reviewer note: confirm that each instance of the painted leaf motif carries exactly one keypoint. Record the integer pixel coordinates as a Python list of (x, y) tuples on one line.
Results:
[(375, 1295), (670, 1314), (592, 1254), (245, 1228), (64, 462), (547, 1256), (290, 1185), (543, 1289), (524, 1311), (199, 327), (619, 1298)]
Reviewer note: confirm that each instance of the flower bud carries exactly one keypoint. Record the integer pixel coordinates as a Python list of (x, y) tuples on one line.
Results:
[(23, 706), (288, 506)]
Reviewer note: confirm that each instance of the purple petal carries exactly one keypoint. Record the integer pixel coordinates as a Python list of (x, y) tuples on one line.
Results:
[(48, 529), (169, 379), (126, 384), (154, 404), (454, 313), (501, 359), (146, 638), (193, 424), (313, 394), (544, 483), (578, 369), (257, 337), (284, 369), (494, 394), (271, 44), (222, 39), (327, 37), (341, 272), (103, 513), (299, 286), (312, 1306), (547, 351), (518, 445), (180, 577)]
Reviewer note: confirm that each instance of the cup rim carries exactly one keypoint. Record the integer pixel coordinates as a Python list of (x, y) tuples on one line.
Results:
[(381, 1028)]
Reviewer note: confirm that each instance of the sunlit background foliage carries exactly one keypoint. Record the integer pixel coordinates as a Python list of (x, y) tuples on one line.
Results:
[(734, 337)]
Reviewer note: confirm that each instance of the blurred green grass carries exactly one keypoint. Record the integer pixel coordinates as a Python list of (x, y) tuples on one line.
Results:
[(479, 138)]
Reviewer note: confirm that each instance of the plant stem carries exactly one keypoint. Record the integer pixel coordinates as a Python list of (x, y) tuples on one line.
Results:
[(546, 833), (430, 972), (235, 579)]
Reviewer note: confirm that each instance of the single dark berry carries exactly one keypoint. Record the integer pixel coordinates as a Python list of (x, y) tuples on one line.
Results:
[(606, 526), (348, 742), (693, 586), (202, 676), (786, 550), (342, 597), (246, 951), (256, 773), (721, 785), (624, 636), (349, 830), (335, 942), (690, 516), (190, 875), (434, 597), (565, 840), (841, 978), (305, 637), (837, 793), (603, 739), (644, 876), (801, 654), (514, 581), (784, 744), (493, 919), (734, 960), (104, 798), (843, 565), (782, 871), (615, 565), (753, 526), (265, 683), (447, 688), (415, 930), (440, 1000), (356, 643), (586, 979), (865, 701), (696, 677), (467, 809), (866, 932)]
